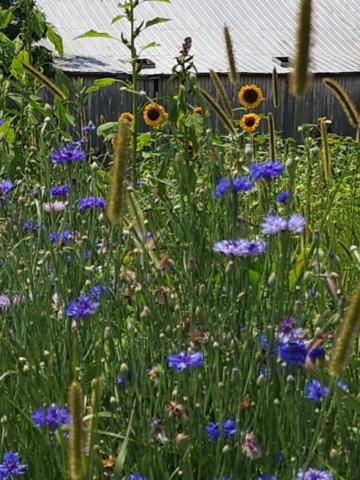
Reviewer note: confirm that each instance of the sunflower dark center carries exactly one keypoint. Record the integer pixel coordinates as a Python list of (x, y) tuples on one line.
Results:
[(153, 114), (251, 95), (250, 121)]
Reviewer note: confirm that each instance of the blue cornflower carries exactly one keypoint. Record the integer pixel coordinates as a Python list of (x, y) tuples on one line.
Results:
[(51, 417), (296, 223), (254, 247), (222, 187), (82, 307), (135, 476), (184, 360), (223, 478), (240, 247), (11, 466), (315, 391), (34, 226), (62, 237), (267, 170), (292, 352), (120, 380), (317, 352), (97, 290), (242, 184), (1, 122), (88, 128), (267, 477), (342, 385), (314, 474), (282, 197), (68, 154), (59, 191), (213, 431), (263, 341), (6, 186), (79, 143), (88, 203), (229, 428), (273, 224)]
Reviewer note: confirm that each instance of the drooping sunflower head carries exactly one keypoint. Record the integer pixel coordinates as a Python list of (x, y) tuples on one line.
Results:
[(250, 122), (197, 110), (155, 115), (129, 116), (250, 96)]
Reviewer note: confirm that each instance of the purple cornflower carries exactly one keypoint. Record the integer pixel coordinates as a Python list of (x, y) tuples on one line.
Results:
[(184, 360), (34, 226), (4, 302), (273, 224), (213, 431), (229, 428), (288, 333), (263, 342), (89, 127), (282, 197), (56, 206), (222, 187), (59, 191), (267, 171), (315, 391), (79, 143), (82, 307), (135, 476), (120, 380), (316, 353), (254, 247), (62, 237), (314, 474), (68, 154), (267, 477), (242, 184), (250, 446), (51, 417), (240, 247), (88, 203), (11, 466), (6, 186), (97, 290), (296, 223), (292, 352), (1, 122), (223, 478), (342, 385)]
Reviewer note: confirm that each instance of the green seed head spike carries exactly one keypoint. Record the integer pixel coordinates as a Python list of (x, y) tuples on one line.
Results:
[(275, 88), (345, 336), (272, 139), (344, 100), (76, 437), (118, 181), (43, 79), (325, 150), (300, 79), (222, 93), (233, 76), (222, 115)]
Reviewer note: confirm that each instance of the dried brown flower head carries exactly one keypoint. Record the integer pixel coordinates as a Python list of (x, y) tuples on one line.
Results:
[(175, 409)]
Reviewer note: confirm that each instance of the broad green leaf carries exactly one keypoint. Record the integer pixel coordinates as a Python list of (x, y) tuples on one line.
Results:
[(63, 82), (9, 132), (155, 21), (38, 23), (16, 69), (5, 39), (149, 45), (95, 34), (55, 39), (100, 83), (107, 130), (116, 19), (70, 119), (5, 17)]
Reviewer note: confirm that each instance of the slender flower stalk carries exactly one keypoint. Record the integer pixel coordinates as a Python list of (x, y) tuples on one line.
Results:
[(76, 438)]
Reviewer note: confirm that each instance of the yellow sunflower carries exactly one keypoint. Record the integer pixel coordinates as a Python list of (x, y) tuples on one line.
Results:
[(155, 115), (197, 110), (250, 122), (129, 116), (250, 96)]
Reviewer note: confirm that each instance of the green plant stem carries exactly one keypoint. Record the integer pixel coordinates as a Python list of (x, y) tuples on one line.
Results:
[(134, 95)]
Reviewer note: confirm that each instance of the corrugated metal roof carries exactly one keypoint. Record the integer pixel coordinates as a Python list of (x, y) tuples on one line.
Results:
[(261, 29)]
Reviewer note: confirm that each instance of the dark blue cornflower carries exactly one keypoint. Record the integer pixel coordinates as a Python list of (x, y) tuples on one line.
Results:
[(120, 380), (68, 154), (318, 352), (135, 476), (79, 143), (81, 308), (222, 187), (213, 431), (88, 203), (267, 170), (97, 290), (282, 197), (267, 477), (59, 191), (11, 466), (229, 428), (51, 417), (62, 237), (223, 478), (6, 186), (292, 352), (184, 360), (316, 391), (263, 342), (34, 226), (314, 474), (242, 184)]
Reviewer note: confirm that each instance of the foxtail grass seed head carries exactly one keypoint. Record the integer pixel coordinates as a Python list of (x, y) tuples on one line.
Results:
[(118, 181), (222, 93), (221, 114), (300, 79), (43, 79), (272, 138), (76, 437), (345, 335), (325, 150), (233, 76), (345, 102), (275, 88)]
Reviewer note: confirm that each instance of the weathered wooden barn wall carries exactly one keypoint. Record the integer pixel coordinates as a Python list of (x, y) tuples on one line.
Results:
[(110, 101)]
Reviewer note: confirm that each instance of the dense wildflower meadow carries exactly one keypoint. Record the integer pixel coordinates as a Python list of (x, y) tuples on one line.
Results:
[(183, 304)]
